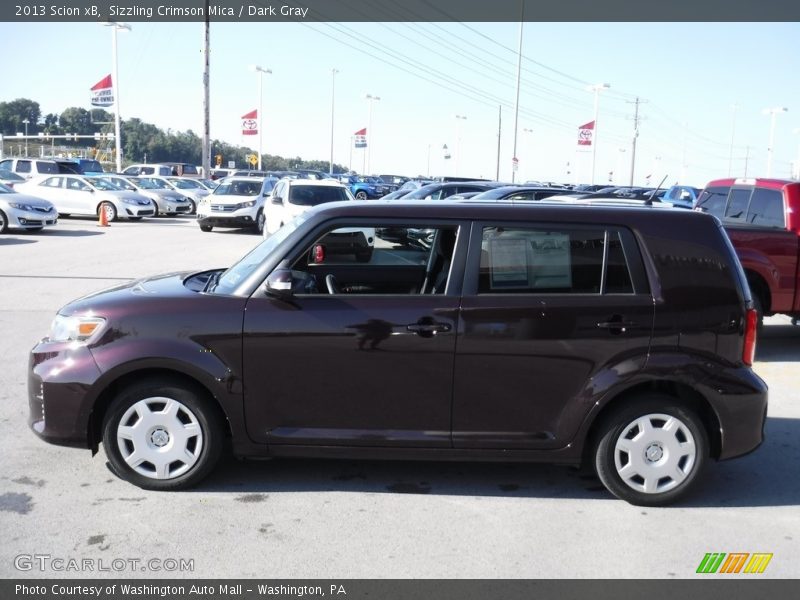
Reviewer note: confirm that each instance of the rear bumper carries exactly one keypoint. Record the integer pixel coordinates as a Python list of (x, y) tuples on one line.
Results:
[(739, 398)]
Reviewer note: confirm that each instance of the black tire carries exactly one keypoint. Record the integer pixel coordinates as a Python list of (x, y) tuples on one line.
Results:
[(261, 221), (364, 256), (3, 222), (134, 218), (361, 195), (758, 304), (196, 426), (111, 211), (192, 207), (662, 452), (155, 209), (206, 228)]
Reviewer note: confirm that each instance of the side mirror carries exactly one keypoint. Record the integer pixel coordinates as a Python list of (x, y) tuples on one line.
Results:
[(279, 284), (277, 200)]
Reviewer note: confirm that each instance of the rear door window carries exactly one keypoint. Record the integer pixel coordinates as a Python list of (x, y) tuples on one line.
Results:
[(23, 166), (766, 209), (553, 261)]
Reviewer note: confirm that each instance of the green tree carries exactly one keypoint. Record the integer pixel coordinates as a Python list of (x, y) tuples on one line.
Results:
[(12, 115)]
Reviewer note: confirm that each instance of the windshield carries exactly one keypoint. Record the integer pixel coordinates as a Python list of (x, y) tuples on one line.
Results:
[(153, 184), (104, 184), (91, 166), (10, 176), (423, 192), (120, 183), (312, 195), (184, 184), (242, 269), (239, 188)]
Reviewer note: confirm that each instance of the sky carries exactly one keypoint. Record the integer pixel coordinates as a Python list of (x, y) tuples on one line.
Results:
[(688, 77)]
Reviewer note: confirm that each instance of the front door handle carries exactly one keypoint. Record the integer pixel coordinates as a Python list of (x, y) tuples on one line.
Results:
[(428, 329)]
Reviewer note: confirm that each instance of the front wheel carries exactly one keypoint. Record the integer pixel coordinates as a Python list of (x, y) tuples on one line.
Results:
[(261, 220), (361, 195), (651, 452), (162, 435), (110, 210), (206, 228), (3, 222)]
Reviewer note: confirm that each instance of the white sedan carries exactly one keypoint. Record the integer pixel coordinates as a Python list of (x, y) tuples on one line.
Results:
[(79, 195), (19, 211)]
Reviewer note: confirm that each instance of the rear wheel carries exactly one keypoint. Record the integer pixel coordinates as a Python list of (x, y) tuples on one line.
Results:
[(162, 435), (652, 451), (758, 304), (361, 195), (206, 228)]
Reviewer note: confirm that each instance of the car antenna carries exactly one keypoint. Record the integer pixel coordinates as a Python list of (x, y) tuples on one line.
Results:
[(649, 201)]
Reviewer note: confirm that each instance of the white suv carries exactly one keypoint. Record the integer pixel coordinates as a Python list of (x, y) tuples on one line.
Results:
[(34, 167), (237, 202), (292, 197)]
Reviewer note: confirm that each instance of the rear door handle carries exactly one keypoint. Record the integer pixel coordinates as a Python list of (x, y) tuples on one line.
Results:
[(616, 324)]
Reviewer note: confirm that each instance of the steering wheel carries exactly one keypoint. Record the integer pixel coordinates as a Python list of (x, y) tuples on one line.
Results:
[(330, 283)]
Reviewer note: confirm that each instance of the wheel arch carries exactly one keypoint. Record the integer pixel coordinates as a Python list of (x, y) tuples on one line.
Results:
[(113, 388), (683, 393), (759, 286)]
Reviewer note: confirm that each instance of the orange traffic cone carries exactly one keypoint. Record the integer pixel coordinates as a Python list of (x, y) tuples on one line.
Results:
[(103, 218)]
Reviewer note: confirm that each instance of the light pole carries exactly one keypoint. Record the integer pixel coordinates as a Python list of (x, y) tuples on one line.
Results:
[(797, 164), (528, 130), (370, 138), (260, 70), (596, 88), (333, 96), (115, 82), (733, 131), (772, 112), (459, 119), (25, 122)]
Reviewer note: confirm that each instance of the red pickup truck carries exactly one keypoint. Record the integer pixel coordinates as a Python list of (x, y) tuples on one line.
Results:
[(762, 218)]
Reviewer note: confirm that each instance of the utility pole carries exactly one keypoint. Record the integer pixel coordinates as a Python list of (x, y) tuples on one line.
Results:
[(499, 130), (635, 135), (515, 162), (746, 160), (206, 95)]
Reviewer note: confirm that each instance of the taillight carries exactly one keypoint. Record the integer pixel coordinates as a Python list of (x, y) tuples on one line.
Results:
[(750, 327)]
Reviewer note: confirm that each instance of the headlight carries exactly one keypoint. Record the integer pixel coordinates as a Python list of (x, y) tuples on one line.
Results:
[(19, 206), (246, 204), (75, 329), (130, 201)]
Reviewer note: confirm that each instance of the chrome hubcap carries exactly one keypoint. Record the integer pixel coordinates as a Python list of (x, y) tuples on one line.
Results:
[(159, 438), (655, 453)]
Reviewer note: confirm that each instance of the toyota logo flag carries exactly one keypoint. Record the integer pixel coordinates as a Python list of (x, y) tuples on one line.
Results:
[(250, 123), (585, 134)]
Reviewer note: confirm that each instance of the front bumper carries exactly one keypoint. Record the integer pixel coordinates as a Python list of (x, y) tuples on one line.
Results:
[(236, 219), (27, 219), (60, 376)]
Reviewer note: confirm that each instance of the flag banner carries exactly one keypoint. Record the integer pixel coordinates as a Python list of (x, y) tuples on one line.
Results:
[(103, 92), (250, 123), (360, 138), (585, 134)]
